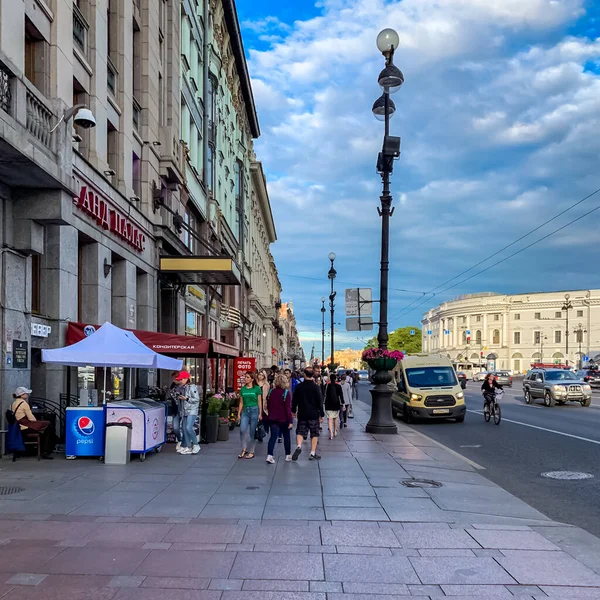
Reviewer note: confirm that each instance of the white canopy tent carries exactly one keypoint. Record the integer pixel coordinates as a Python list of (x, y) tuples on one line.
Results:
[(110, 346)]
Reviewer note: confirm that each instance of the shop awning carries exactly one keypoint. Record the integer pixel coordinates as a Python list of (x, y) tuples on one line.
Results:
[(216, 270), (223, 349)]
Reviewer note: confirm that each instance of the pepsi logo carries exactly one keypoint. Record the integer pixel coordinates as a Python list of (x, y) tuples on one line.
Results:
[(155, 429), (85, 426), (88, 330)]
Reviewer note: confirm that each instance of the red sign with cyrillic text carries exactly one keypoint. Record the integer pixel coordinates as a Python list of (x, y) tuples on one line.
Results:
[(241, 366), (92, 202)]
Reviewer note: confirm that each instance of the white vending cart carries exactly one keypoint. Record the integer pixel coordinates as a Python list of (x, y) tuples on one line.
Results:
[(148, 423)]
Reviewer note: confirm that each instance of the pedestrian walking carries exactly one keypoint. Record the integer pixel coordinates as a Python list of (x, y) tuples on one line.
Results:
[(334, 401), (279, 409), (263, 382), (188, 398), (173, 392), (249, 414), (346, 384), (307, 405)]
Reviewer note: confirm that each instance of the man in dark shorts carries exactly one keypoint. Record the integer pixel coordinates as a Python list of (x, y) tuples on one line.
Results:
[(307, 404)]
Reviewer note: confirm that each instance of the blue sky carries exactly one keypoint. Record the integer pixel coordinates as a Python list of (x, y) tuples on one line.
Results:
[(499, 118)]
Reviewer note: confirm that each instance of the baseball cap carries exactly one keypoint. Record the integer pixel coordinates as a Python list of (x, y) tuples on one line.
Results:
[(183, 375), (22, 390)]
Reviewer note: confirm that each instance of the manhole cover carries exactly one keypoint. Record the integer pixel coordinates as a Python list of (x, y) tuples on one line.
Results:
[(252, 487), (7, 491), (421, 483), (568, 475)]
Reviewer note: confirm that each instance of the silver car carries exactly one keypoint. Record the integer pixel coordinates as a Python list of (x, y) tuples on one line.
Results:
[(556, 386), (481, 375)]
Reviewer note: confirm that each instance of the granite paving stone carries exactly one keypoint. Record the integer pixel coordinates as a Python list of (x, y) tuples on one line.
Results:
[(225, 584), (269, 565), (126, 581), (240, 512), (252, 595), (311, 513), (237, 499), (183, 563), (400, 589), (96, 561), (129, 532), (213, 534), (335, 596), (26, 579), (512, 540), (361, 536), (351, 501), (570, 592), (531, 567), (181, 583), (26, 559), (33, 593), (433, 591), (325, 586), (275, 535), (435, 538), (446, 570), (338, 513), (158, 594), (497, 592), (364, 568), (274, 585)]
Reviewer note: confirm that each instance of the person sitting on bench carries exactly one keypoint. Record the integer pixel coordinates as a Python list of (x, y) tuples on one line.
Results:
[(29, 424)]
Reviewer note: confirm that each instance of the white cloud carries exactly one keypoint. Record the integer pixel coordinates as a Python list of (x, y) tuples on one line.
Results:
[(497, 117)]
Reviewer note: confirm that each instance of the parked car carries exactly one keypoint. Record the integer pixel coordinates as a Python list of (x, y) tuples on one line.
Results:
[(480, 376), (590, 376), (556, 386), (462, 379), (503, 378)]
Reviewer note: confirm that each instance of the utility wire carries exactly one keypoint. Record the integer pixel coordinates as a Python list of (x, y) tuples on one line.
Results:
[(513, 254), (402, 311)]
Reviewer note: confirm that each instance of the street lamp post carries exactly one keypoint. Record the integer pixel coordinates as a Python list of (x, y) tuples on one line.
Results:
[(579, 332), (322, 331), (567, 306), (390, 80), (331, 274)]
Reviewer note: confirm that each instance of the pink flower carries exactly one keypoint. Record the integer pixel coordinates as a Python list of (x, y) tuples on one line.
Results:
[(374, 353)]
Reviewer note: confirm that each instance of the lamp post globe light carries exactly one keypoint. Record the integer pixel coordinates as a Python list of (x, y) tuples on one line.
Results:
[(390, 79), (331, 275), (579, 332)]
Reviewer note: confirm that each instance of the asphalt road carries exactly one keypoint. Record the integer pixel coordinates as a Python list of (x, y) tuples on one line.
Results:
[(529, 441)]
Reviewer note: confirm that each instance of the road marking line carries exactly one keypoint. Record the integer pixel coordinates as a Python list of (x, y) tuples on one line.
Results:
[(454, 453), (576, 437)]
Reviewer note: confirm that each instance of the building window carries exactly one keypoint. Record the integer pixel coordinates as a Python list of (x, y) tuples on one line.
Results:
[(557, 337), (537, 337), (517, 337), (517, 316), (580, 313), (112, 149), (478, 318), (496, 336), (36, 284), (496, 317), (464, 337), (210, 170), (537, 316), (136, 175), (37, 55), (558, 314), (478, 337)]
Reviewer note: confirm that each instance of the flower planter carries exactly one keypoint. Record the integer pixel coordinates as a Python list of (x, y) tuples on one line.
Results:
[(224, 413), (382, 364), (223, 434), (212, 428)]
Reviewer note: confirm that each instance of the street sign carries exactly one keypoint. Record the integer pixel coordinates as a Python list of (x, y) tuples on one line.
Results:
[(585, 358), (359, 301), (412, 332), (356, 324), (468, 332), (429, 332)]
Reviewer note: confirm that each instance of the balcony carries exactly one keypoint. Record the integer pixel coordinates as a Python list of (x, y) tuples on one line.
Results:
[(80, 30), (231, 315), (5, 91), (39, 119)]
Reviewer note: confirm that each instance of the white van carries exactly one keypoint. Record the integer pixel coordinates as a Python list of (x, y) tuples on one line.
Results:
[(428, 389)]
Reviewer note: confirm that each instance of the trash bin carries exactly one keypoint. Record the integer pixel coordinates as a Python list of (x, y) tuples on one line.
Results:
[(118, 444)]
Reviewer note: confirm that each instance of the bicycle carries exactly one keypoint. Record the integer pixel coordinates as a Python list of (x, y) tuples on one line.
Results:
[(492, 407)]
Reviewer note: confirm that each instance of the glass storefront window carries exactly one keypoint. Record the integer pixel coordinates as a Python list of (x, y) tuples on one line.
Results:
[(190, 321)]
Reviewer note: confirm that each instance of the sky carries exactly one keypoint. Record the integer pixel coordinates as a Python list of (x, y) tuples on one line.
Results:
[(499, 118)]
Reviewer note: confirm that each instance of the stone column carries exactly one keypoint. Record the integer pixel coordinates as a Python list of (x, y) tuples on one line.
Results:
[(95, 287), (124, 293), (504, 341), (59, 294), (455, 334), (146, 302), (443, 333), (485, 337)]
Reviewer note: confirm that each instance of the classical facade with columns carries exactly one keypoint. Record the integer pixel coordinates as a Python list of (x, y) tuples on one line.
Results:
[(497, 331)]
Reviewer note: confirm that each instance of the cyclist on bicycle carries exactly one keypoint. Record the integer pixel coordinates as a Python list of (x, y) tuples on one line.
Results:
[(489, 387)]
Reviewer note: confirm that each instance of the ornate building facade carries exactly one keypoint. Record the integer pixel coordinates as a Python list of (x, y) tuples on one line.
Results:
[(496, 331)]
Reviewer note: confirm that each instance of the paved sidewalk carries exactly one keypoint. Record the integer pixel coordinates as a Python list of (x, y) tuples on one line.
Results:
[(212, 527)]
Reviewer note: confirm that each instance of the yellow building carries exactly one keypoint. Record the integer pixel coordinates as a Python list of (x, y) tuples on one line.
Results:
[(350, 359)]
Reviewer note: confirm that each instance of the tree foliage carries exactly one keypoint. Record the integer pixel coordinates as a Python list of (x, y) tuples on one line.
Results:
[(400, 339)]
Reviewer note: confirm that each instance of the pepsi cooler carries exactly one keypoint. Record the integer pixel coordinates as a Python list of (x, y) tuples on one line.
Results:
[(84, 431)]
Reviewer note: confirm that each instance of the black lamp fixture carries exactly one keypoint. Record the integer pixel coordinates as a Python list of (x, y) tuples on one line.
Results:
[(390, 79), (107, 268)]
